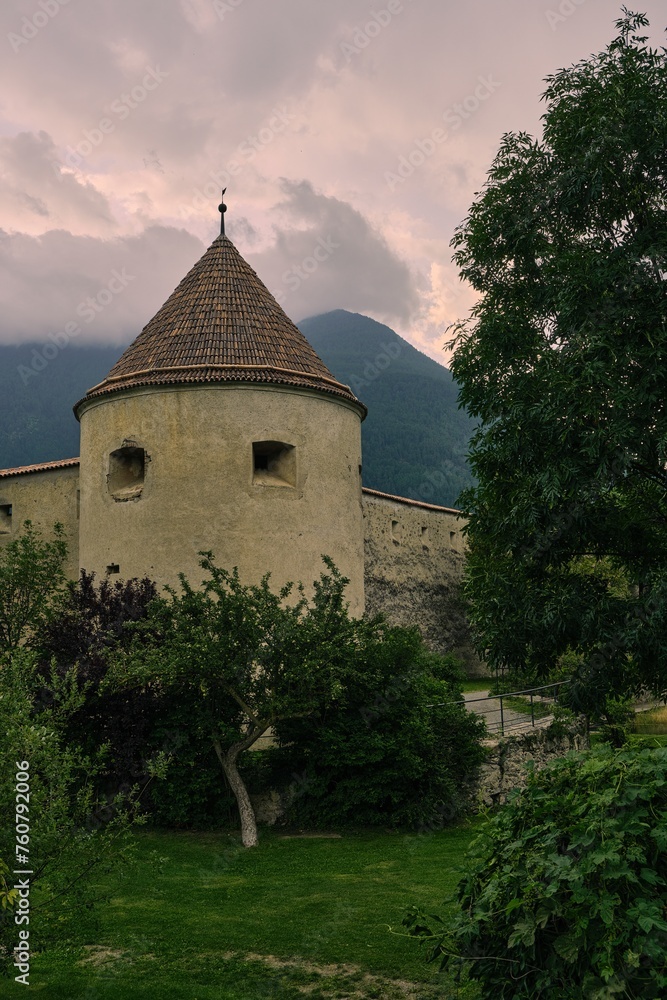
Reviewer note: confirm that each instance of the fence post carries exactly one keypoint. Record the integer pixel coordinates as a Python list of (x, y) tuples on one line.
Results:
[(532, 711), (502, 719)]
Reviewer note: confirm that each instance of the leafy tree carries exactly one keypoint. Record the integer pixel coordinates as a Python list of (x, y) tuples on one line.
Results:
[(74, 835), (564, 895), (393, 749), (31, 574), (564, 361), (243, 659)]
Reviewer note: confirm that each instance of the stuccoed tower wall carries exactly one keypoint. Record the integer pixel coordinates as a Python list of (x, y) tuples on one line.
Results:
[(201, 490), (220, 429)]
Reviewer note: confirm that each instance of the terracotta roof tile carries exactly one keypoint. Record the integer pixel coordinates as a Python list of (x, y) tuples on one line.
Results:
[(221, 325), (23, 470)]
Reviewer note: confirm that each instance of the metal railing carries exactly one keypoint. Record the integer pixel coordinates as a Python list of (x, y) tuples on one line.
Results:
[(509, 718)]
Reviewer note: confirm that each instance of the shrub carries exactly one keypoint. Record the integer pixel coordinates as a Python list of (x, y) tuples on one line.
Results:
[(88, 624), (395, 750), (565, 893), (617, 716), (88, 627)]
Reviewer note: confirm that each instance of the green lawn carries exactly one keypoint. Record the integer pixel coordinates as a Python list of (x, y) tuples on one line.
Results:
[(293, 918), (481, 684), (522, 705), (650, 728)]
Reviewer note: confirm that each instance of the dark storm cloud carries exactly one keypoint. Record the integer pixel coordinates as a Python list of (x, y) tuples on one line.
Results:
[(344, 94), (108, 289), (326, 247)]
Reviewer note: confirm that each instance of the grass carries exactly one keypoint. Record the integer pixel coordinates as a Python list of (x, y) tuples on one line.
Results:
[(293, 918), (644, 741), (476, 684), (653, 721), (522, 705), (650, 729)]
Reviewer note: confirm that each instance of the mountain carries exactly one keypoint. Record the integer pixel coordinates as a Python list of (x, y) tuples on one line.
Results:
[(414, 437), (39, 384)]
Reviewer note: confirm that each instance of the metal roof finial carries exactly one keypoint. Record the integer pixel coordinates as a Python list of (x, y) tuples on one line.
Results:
[(222, 208)]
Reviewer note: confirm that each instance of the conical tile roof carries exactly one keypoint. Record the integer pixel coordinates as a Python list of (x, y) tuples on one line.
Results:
[(221, 324)]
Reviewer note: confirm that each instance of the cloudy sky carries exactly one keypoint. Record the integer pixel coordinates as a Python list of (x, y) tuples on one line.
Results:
[(352, 136)]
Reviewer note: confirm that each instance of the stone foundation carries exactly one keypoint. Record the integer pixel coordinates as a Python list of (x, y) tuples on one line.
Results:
[(505, 768)]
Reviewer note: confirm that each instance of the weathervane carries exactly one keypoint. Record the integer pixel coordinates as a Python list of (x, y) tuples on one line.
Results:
[(222, 208)]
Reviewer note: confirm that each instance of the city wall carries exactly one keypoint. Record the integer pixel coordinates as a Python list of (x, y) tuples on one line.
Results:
[(45, 495), (413, 552), (414, 561)]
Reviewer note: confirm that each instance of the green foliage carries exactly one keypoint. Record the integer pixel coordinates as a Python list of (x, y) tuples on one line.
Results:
[(393, 750), (563, 363), (191, 795), (31, 574), (8, 894), (565, 891), (74, 836), (617, 717), (248, 655), (349, 700), (241, 659)]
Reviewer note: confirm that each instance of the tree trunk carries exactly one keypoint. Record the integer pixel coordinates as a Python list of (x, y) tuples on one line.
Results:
[(246, 811)]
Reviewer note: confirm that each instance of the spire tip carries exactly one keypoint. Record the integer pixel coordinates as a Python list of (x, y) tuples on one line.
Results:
[(222, 208)]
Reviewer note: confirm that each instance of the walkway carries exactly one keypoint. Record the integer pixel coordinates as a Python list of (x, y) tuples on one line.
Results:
[(513, 722)]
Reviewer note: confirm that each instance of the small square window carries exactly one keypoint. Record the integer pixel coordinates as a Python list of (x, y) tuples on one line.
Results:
[(273, 463), (127, 469), (5, 518)]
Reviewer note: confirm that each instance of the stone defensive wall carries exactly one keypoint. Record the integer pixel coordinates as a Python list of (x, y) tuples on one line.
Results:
[(44, 494), (414, 560), (413, 551)]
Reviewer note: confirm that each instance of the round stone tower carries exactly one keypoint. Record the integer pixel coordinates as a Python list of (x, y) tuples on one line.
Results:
[(221, 429)]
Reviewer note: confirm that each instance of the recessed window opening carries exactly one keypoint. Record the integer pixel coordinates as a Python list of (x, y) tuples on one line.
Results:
[(5, 518), (424, 534), (273, 463), (452, 539), (396, 532), (113, 569), (127, 469)]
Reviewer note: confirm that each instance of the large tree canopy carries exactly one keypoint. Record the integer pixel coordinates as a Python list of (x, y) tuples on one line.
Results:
[(564, 361)]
